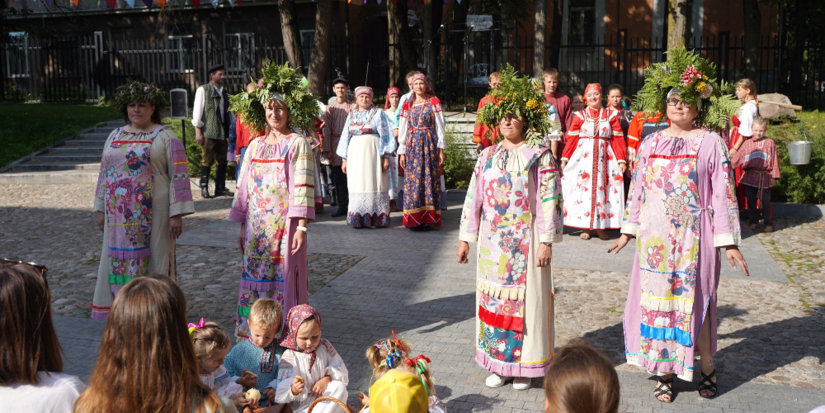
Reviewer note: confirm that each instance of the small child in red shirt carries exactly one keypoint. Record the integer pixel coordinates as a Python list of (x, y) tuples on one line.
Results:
[(758, 158)]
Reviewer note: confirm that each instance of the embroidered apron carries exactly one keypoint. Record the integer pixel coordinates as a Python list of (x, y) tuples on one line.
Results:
[(265, 240), (668, 253), (504, 250), (129, 185)]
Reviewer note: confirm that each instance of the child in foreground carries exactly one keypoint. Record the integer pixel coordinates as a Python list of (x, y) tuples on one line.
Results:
[(254, 362), (211, 345), (757, 157), (581, 380), (310, 367), (399, 392)]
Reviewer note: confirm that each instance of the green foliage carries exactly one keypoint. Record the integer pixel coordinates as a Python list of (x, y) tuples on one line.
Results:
[(458, 164), (25, 128), (696, 88), (134, 91), (519, 96), (193, 150), (284, 82), (801, 183)]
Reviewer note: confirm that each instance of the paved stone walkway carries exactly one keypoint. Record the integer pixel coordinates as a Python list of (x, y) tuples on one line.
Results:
[(366, 282)]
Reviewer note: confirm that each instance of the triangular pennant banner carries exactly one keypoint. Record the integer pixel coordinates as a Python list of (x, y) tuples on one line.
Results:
[(239, 2), (131, 3), (162, 3), (48, 1), (196, 3), (74, 2), (215, 3), (148, 3), (231, 3), (111, 3), (182, 3)]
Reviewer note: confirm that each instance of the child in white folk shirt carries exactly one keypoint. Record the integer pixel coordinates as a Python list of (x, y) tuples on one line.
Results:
[(211, 345), (310, 367)]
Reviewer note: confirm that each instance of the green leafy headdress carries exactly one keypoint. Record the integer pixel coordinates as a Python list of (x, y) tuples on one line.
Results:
[(279, 82), (522, 97), (134, 91), (693, 78)]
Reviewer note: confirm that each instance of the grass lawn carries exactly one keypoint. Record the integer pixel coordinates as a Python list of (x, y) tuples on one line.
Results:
[(25, 128)]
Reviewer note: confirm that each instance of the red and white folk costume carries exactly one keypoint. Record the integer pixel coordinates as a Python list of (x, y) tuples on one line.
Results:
[(741, 128), (592, 182)]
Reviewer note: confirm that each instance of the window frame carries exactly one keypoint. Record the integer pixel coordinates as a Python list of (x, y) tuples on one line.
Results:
[(21, 47)]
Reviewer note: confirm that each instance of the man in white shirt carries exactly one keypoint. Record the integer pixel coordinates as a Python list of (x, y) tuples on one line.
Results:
[(211, 121)]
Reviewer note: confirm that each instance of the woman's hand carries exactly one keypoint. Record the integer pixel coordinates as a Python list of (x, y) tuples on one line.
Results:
[(622, 168), (619, 244), (545, 255), (297, 386), (175, 227), (732, 152), (563, 164), (441, 157), (101, 220), (462, 252), (385, 164), (344, 166), (630, 165), (240, 246), (734, 257), (239, 400), (298, 241), (402, 161), (320, 386)]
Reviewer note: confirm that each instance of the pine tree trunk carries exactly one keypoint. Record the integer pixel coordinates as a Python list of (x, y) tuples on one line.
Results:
[(395, 50), (409, 56), (538, 42), (319, 59), (290, 33), (677, 12), (555, 40)]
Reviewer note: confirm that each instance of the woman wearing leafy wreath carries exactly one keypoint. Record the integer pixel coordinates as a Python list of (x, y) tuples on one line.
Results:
[(142, 194), (513, 210), (682, 212), (275, 197)]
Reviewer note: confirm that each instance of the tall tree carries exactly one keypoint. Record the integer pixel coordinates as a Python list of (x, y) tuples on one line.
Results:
[(677, 18), (433, 12), (799, 49), (540, 7), (555, 39), (753, 33), (319, 58), (400, 31), (290, 33)]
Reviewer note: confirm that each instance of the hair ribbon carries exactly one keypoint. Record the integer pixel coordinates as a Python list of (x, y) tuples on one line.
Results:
[(192, 326), (418, 364)]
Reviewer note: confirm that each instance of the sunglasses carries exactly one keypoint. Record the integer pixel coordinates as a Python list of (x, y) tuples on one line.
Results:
[(40, 268), (677, 102)]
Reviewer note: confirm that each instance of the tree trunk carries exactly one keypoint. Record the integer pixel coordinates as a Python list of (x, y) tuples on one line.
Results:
[(409, 56), (538, 42), (677, 12), (753, 32), (460, 12), (799, 49), (319, 59), (434, 16), (555, 40), (290, 33), (395, 50)]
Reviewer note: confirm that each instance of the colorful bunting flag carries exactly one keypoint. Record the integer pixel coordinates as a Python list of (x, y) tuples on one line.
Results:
[(74, 2), (131, 3), (196, 3), (111, 3), (148, 4), (182, 3), (162, 3), (215, 3), (231, 3)]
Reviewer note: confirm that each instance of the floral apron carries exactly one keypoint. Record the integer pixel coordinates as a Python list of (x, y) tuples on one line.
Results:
[(129, 185), (668, 254), (503, 258), (265, 241)]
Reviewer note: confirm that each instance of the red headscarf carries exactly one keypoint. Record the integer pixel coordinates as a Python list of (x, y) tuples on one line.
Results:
[(297, 315), (593, 86), (391, 91)]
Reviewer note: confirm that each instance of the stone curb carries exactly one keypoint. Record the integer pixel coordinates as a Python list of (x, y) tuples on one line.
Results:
[(798, 210)]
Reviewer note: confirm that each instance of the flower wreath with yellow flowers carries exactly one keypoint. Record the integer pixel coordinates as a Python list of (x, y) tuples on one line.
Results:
[(522, 97), (134, 91), (279, 82), (693, 79)]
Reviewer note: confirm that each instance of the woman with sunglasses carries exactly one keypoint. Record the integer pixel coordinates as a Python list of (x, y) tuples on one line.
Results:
[(30, 359), (682, 212), (593, 162)]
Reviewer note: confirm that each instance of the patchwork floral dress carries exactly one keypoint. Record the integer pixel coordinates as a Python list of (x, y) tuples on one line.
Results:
[(513, 204), (143, 181), (682, 210), (276, 188)]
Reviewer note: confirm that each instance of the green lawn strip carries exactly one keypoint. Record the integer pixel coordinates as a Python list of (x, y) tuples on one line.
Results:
[(25, 128)]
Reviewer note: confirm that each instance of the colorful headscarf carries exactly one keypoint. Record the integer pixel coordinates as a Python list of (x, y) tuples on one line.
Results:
[(360, 90), (297, 315), (391, 91), (593, 86), (423, 77)]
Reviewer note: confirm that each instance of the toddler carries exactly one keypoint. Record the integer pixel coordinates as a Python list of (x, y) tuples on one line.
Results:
[(310, 367), (581, 380), (254, 362), (757, 157), (211, 345), (399, 392)]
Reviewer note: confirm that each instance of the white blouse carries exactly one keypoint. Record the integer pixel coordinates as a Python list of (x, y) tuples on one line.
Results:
[(294, 363), (221, 383)]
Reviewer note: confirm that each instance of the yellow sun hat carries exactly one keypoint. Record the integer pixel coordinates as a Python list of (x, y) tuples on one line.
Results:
[(398, 392)]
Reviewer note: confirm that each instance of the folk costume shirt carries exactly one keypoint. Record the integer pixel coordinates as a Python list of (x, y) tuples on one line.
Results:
[(642, 126), (759, 160), (335, 117), (480, 130), (327, 362), (220, 381)]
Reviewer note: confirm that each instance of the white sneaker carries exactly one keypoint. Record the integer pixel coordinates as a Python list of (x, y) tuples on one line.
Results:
[(522, 383), (495, 381)]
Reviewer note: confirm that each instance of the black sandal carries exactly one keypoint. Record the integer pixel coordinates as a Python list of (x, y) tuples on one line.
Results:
[(664, 388), (707, 384)]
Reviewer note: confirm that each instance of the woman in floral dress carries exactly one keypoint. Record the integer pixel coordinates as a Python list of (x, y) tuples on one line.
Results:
[(513, 210), (274, 202), (142, 194), (593, 162), (682, 212), (421, 147)]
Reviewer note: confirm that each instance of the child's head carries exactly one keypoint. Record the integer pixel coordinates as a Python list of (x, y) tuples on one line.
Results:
[(745, 88), (303, 329), (397, 350), (581, 380), (494, 80), (409, 76), (550, 77), (615, 94), (759, 127), (398, 392), (420, 366), (251, 87), (211, 345), (577, 102), (265, 318)]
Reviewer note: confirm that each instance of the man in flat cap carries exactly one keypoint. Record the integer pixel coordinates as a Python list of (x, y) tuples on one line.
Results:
[(211, 121), (334, 119)]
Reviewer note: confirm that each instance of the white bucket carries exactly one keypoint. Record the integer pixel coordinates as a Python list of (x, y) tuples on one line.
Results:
[(799, 152)]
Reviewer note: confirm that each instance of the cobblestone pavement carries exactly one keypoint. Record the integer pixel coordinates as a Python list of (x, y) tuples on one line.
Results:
[(771, 335)]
